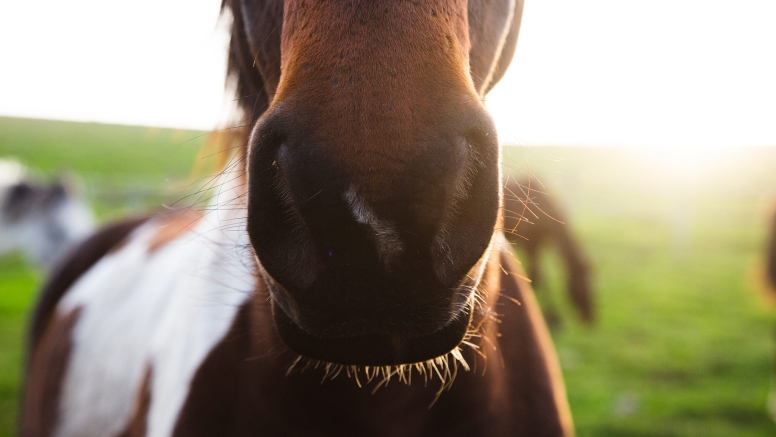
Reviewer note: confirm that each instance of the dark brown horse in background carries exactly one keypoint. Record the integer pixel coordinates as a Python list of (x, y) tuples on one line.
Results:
[(771, 256), (373, 186), (533, 220)]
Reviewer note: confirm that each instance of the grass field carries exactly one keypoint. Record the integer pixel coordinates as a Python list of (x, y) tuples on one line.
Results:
[(684, 341)]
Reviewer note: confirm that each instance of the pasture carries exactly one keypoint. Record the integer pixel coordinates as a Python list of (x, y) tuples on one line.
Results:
[(684, 342)]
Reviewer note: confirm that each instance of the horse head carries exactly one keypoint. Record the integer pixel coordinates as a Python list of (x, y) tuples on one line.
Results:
[(373, 173)]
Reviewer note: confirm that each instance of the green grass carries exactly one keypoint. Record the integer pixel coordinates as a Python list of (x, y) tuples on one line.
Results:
[(687, 338), (684, 343), (17, 288), (123, 169), (684, 340), (99, 149)]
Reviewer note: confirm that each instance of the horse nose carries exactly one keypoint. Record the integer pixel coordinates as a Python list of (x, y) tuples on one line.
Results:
[(371, 221)]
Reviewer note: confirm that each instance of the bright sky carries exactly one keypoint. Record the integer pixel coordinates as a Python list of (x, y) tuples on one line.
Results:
[(666, 73)]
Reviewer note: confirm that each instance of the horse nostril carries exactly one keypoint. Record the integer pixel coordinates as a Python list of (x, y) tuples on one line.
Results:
[(470, 214), (276, 225)]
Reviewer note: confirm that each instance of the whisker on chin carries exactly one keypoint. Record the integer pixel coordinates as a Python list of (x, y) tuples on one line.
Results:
[(444, 367)]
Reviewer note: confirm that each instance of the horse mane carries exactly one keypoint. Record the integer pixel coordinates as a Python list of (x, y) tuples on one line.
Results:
[(251, 94), (226, 144)]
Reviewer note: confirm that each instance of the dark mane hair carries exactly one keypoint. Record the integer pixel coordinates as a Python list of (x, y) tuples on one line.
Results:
[(242, 69)]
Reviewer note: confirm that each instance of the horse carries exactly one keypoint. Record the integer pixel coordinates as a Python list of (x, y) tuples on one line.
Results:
[(349, 277), (42, 221), (532, 220), (771, 255)]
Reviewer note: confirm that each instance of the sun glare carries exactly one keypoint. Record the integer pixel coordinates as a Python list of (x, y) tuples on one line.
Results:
[(669, 73), (146, 62), (685, 74)]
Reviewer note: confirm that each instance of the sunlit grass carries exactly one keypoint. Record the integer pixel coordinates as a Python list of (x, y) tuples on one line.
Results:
[(683, 345)]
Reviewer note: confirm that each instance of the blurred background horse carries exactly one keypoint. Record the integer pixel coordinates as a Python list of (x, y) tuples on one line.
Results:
[(38, 219), (533, 221)]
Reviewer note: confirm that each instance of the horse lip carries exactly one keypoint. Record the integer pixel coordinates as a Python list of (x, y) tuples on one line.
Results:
[(371, 349)]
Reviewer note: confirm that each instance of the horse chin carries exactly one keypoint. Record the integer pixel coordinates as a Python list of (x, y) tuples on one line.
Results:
[(375, 349), (372, 349)]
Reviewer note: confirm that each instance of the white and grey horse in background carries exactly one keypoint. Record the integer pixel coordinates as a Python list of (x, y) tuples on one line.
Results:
[(40, 220)]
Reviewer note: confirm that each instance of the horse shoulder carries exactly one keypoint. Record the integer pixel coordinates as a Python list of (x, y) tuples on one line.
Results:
[(146, 312), (50, 338), (72, 267)]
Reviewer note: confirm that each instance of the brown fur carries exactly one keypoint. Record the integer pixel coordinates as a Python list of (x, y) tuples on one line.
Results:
[(537, 390), (533, 220), (441, 47), (47, 366), (139, 422), (254, 52)]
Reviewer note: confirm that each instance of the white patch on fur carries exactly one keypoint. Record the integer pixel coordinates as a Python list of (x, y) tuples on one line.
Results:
[(389, 244), (165, 309)]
